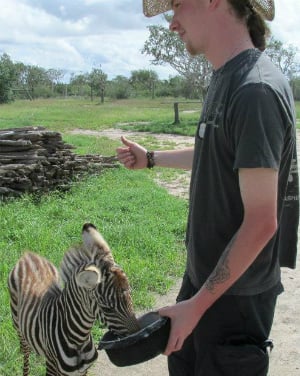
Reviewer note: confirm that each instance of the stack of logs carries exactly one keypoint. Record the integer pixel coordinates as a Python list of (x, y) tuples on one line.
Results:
[(34, 159)]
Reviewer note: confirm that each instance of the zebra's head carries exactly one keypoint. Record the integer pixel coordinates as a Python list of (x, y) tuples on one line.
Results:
[(107, 283)]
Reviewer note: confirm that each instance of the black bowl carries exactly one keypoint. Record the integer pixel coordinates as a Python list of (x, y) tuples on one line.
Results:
[(141, 346)]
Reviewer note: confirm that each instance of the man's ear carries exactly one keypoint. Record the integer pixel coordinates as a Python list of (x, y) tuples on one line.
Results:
[(89, 278)]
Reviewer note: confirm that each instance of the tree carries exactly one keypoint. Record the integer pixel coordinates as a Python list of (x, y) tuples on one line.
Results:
[(7, 78), (167, 48), (119, 88), (144, 79), (78, 84), (176, 85), (283, 57), (296, 88), (54, 76), (34, 77), (97, 80)]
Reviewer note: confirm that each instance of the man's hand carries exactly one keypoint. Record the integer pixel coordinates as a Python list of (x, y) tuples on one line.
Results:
[(132, 155), (184, 318)]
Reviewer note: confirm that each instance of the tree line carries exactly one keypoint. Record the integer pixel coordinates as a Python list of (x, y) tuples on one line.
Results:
[(19, 81)]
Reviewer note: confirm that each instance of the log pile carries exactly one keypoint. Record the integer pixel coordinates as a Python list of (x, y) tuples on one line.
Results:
[(34, 159)]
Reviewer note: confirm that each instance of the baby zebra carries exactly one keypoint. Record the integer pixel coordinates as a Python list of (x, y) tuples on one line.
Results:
[(56, 321)]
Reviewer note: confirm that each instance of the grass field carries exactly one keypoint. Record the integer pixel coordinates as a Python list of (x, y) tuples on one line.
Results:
[(144, 225), (65, 114)]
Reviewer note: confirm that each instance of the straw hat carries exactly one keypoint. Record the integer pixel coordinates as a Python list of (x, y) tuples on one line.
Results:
[(264, 7)]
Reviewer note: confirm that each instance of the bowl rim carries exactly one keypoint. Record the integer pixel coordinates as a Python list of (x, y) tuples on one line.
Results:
[(134, 337)]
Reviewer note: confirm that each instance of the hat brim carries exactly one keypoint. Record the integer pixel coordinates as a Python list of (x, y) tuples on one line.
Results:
[(266, 8), (153, 7)]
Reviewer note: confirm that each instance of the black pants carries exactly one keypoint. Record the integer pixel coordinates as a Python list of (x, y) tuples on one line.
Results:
[(231, 339)]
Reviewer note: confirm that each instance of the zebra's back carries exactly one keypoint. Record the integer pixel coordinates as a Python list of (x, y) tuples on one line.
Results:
[(32, 277)]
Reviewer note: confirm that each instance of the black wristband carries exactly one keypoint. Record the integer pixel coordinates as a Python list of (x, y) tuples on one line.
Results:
[(150, 159)]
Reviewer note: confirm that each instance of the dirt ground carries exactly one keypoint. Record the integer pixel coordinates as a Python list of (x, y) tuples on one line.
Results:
[(285, 357)]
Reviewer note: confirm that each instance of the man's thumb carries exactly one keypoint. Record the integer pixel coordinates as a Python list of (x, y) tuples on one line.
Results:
[(125, 141)]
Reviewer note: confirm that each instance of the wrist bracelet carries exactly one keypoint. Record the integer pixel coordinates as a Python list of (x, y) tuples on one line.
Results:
[(150, 159)]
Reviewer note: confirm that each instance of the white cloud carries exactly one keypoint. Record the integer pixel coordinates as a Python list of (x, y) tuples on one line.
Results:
[(286, 25)]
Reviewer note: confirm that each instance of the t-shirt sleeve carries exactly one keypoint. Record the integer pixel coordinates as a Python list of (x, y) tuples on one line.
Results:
[(256, 127)]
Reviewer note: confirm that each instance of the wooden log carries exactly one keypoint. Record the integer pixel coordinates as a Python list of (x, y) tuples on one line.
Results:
[(11, 149), (16, 167), (24, 129), (5, 191), (11, 143), (21, 185), (19, 154), (33, 137), (36, 159)]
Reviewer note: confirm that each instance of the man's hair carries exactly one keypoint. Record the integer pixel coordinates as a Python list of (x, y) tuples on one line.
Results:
[(257, 27)]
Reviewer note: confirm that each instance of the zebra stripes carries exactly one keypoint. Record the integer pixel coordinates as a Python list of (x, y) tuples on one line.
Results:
[(55, 321)]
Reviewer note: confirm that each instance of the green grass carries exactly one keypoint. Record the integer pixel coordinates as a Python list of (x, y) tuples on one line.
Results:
[(298, 109), (125, 207), (92, 145), (66, 114)]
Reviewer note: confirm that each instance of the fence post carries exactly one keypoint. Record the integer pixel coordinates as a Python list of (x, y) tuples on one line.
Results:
[(176, 113)]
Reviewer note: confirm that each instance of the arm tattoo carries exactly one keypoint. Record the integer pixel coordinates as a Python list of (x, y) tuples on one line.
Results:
[(221, 273)]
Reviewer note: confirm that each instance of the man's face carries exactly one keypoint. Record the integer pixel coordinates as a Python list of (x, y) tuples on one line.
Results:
[(190, 22)]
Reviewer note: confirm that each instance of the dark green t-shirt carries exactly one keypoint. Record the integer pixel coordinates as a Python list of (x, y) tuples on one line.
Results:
[(248, 121)]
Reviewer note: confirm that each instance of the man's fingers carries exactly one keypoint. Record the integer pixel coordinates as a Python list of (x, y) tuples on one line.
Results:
[(124, 155), (121, 150), (174, 344)]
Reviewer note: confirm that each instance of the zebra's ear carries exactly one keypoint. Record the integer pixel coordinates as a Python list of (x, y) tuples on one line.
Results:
[(89, 278), (92, 238)]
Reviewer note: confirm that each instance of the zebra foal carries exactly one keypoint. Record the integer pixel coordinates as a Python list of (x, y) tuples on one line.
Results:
[(55, 321)]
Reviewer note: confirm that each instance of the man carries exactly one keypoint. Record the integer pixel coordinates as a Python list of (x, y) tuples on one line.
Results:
[(244, 207)]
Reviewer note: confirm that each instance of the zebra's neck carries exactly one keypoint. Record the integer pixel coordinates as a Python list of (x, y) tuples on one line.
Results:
[(75, 313), (65, 320)]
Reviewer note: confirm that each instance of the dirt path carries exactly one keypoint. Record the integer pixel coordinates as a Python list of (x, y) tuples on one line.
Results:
[(115, 134), (285, 358)]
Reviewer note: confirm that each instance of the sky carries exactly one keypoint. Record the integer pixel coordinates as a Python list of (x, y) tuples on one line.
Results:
[(79, 35)]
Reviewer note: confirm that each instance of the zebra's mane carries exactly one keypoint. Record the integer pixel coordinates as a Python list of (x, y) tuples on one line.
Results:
[(79, 256)]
